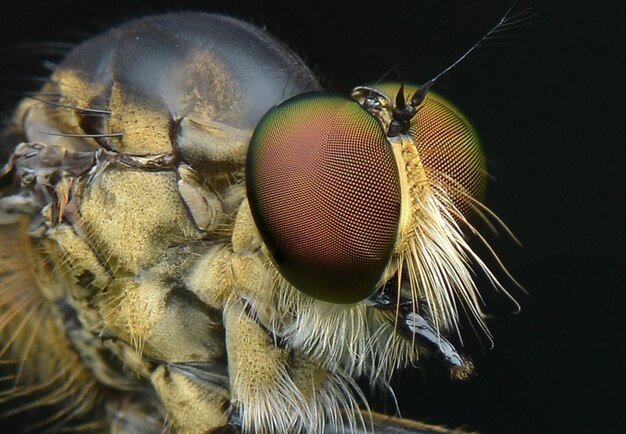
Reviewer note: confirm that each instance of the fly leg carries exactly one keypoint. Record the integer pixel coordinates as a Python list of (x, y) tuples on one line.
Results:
[(262, 391), (193, 404)]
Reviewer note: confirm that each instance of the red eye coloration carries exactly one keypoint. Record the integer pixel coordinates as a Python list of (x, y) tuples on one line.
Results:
[(324, 191), (448, 147)]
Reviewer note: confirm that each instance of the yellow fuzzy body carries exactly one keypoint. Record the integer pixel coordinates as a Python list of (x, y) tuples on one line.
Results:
[(137, 294)]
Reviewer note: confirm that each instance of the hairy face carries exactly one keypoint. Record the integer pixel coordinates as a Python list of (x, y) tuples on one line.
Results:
[(197, 237)]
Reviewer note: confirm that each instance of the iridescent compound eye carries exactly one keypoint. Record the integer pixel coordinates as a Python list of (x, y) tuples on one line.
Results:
[(449, 149), (324, 192), (450, 152)]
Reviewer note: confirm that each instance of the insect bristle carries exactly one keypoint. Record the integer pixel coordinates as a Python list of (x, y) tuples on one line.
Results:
[(41, 97), (44, 368), (136, 328), (436, 256)]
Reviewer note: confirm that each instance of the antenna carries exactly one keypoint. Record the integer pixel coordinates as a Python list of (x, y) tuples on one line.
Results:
[(403, 113)]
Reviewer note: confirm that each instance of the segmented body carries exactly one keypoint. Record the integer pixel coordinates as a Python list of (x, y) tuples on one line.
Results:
[(135, 287)]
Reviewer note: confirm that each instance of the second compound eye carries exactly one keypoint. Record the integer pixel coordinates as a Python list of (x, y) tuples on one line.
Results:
[(449, 150), (324, 192)]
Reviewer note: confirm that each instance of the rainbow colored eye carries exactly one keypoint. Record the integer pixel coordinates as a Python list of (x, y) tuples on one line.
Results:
[(324, 191), (448, 147), (450, 152)]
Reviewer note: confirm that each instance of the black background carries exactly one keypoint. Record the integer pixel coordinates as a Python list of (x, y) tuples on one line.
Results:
[(549, 108)]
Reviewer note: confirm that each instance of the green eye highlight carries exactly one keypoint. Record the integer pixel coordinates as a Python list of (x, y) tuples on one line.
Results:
[(448, 147), (324, 192)]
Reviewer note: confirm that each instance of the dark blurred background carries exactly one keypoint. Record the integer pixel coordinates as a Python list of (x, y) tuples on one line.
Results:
[(549, 107)]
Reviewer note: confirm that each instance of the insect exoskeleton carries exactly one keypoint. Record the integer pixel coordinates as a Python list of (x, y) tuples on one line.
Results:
[(198, 237), (372, 224)]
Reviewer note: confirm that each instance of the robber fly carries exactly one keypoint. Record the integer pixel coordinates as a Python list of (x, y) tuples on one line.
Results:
[(197, 238)]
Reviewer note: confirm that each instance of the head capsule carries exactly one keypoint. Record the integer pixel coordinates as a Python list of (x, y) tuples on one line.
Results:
[(344, 192), (324, 185)]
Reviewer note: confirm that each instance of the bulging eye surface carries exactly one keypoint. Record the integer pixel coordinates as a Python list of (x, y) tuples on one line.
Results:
[(324, 191), (448, 147)]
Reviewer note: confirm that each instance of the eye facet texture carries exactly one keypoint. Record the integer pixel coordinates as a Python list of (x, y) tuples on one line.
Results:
[(324, 191), (448, 147)]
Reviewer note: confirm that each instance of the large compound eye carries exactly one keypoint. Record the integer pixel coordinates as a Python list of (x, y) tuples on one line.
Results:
[(448, 147), (450, 152), (324, 191)]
